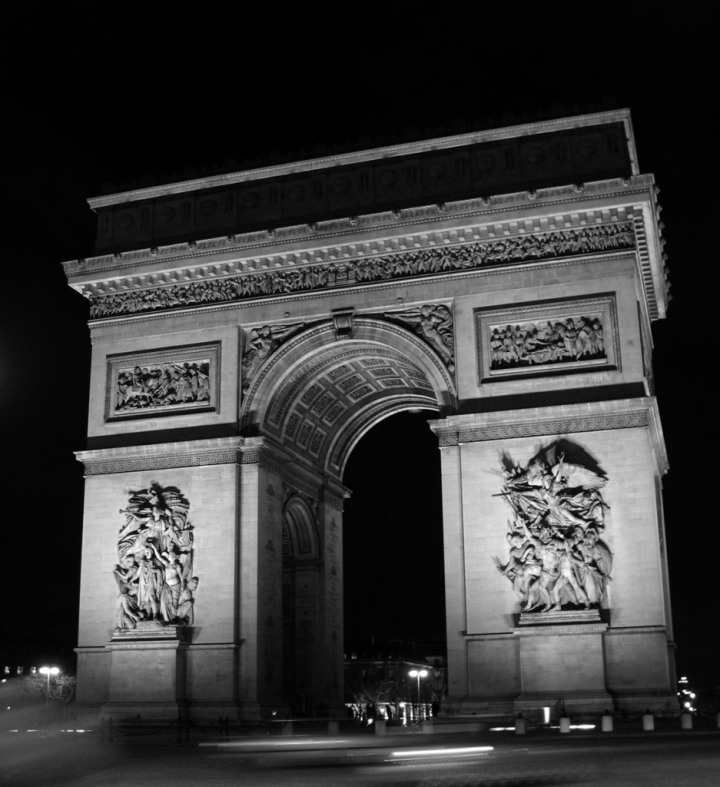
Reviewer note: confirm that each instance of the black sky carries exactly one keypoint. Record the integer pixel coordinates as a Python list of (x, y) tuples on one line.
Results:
[(93, 94)]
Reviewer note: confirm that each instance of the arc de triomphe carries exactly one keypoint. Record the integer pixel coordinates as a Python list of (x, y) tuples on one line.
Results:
[(249, 328)]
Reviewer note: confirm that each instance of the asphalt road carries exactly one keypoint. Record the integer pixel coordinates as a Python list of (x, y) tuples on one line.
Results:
[(36, 760)]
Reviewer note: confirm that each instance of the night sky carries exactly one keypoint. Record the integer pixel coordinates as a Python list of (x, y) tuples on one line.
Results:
[(130, 93)]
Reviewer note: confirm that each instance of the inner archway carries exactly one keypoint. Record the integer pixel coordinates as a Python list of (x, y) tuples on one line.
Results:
[(392, 530)]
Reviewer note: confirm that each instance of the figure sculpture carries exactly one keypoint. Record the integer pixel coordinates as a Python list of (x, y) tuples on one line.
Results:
[(556, 555), (155, 560), (434, 323), (554, 341), (166, 385), (262, 343)]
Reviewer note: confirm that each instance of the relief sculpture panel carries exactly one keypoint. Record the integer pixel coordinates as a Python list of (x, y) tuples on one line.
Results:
[(434, 324), (162, 382), (154, 572), (552, 341), (547, 338), (557, 558)]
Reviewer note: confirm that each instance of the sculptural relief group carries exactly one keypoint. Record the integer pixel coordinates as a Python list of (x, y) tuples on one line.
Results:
[(167, 384), (155, 560), (550, 341), (557, 557)]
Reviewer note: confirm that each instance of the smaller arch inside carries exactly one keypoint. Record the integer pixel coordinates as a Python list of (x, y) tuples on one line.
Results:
[(302, 595)]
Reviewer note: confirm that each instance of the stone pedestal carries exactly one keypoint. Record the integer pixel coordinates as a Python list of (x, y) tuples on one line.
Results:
[(562, 662), (147, 672)]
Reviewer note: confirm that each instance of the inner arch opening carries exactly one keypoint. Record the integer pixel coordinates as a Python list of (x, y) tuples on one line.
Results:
[(394, 585)]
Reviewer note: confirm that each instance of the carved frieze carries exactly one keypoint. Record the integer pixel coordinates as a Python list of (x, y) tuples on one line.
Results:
[(163, 382), (557, 558), (547, 338), (420, 262), (155, 550)]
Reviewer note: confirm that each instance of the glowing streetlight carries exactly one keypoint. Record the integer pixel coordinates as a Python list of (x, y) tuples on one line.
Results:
[(48, 671), (423, 673)]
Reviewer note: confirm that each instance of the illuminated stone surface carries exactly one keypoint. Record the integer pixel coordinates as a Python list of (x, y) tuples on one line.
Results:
[(247, 331)]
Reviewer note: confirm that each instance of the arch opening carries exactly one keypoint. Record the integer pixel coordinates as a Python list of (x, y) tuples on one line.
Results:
[(301, 603), (312, 403), (394, 521)]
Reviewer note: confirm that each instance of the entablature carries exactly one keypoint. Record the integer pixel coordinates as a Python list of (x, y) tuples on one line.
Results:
[(518, 228)]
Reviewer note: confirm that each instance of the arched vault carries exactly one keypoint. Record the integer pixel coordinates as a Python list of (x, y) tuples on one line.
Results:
[(317, 395)]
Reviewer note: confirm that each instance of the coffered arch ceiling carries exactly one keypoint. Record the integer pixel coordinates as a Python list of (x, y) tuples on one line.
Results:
[(317, 395)]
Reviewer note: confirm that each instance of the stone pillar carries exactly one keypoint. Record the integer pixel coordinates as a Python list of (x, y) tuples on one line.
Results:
[(498, 662), (149, 668), (260, 608)]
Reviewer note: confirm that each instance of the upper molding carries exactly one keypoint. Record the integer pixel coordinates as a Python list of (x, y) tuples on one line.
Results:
[(391, 151), (273, 264), (278, 247), (558, 420)]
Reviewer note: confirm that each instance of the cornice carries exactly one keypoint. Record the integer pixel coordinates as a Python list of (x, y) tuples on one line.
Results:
[(564, 419), (264, 240), (161, 456), (427, 257), (390, 151)]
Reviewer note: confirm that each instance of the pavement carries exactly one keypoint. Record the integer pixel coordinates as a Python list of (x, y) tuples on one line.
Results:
[(193, 755)]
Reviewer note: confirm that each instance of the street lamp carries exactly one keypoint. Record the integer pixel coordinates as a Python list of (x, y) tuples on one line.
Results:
[(418, 674), (48, 671)]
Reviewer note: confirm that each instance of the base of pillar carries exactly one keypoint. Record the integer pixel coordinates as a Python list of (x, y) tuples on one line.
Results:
[(576, 704), (143, 712)]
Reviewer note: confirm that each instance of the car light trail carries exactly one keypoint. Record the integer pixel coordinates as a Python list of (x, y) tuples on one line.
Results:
[(442, 752)]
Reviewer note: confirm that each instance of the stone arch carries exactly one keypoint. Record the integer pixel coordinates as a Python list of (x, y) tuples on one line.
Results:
[(319, 393), (302, 603), (300, 538)]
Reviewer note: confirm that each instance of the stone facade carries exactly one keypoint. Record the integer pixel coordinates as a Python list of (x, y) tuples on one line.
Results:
[(239, 355)]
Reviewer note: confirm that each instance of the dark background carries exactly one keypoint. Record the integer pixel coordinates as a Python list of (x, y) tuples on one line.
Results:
[(99, 93)]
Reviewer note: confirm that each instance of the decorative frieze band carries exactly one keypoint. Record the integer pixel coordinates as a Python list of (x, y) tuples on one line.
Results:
[(549, 427), (566, 419), (545, 631), (157, 457), (160, 292)]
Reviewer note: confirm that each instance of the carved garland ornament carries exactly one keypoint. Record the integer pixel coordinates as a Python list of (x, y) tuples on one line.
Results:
[(521, 248), (557, 558), (154, 572)]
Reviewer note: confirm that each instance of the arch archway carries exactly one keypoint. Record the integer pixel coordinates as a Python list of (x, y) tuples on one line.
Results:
[(318, 394), (309, 405)]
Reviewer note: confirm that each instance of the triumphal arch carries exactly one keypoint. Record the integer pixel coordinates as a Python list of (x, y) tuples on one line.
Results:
[(249, 328)]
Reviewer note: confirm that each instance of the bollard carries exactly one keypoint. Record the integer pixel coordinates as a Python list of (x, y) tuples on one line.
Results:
[(648, 721), (288, 728), (564, 724), (333, 728), (380, 727), (717, 721), (686, 721), (606, 723), (520, 725)]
